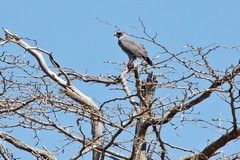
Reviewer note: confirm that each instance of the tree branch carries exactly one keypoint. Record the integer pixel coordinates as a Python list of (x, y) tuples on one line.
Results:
[(202, 97), (71, 91), (214, 146), (34, 151)]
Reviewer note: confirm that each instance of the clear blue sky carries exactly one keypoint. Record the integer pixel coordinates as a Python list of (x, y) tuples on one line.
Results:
[(70, 30)]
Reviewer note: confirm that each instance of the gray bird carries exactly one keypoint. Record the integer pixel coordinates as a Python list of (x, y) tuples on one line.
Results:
[(132, 49)]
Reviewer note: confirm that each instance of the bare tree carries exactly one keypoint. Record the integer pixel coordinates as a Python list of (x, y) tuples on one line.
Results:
[(35, 97)]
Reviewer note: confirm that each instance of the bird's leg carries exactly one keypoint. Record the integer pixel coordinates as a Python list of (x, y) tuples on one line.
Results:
[(129, 65)]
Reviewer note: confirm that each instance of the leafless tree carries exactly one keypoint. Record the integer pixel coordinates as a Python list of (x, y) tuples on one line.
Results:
[(42, 99)]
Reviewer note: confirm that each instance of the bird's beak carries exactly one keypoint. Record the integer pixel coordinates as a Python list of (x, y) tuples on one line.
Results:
[(115, 34)]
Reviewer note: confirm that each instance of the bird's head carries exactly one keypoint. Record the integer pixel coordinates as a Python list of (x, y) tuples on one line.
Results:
[(118, 34)]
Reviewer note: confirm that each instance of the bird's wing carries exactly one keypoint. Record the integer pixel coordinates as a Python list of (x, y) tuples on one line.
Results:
[(131, 47)]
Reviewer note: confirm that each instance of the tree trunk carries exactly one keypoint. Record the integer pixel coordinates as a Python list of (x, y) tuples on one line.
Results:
[(96, 136), (139, 143)]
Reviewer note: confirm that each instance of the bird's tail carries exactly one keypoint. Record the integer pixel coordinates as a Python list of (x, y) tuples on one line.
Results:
[(148, 60)]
